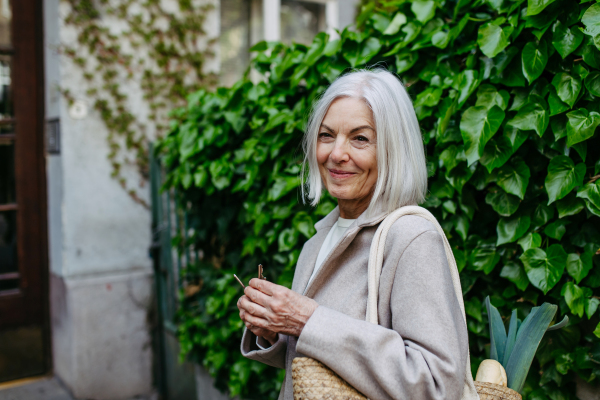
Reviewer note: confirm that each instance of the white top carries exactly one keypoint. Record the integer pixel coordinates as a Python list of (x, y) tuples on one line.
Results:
[(333, 237)]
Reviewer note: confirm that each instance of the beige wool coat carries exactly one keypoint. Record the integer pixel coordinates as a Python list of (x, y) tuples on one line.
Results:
[(419, 349)]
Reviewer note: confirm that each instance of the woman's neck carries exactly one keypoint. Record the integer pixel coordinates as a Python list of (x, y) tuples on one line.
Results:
[(351, 209)]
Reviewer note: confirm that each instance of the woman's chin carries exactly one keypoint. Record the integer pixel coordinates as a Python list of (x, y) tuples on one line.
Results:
[(343, 194)]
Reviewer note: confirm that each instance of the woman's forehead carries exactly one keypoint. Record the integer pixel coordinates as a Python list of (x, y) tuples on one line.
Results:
[(349, 110)]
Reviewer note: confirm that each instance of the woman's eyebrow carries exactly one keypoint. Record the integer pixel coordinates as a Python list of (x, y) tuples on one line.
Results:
[(360, 128), (326, 127)]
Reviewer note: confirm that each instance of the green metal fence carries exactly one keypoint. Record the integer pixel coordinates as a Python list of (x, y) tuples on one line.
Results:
[(174, 381)]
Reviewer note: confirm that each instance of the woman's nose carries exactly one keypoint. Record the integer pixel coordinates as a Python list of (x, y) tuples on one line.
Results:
[(339, 154)]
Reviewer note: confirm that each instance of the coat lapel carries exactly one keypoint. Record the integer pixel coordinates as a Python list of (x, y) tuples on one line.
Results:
[(306, 265), (361, 222)]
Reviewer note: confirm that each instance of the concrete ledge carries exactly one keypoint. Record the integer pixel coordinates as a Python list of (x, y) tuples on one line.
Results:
[(101, 337)]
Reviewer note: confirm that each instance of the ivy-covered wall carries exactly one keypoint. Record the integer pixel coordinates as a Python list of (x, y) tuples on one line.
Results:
[(507, 97), (138, 60), (101, 275)]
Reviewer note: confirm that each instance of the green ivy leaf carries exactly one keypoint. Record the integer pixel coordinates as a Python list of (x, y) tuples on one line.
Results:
[(282, 186), (591, 193), (332, 47), (423, 10), (542, 214), (473, 308), (221, 172), (556, 229), (304, 224), (462, 226), (514, 177), (461, 259), (533, 116), (189, 143), (405, 61), (411, 30), (492, 39), (574, 297), (557, 106), (394, 26), (567, 87), (380, 22), (582, 125), (451, 157), (287, 239), (592, 83), (459, 176), (535, 7), (530, 241), (440, 39), (488, 96), (316, 49), (511, 229), (516, 274), (569, 205), (545, 268), (496, 153), (591, 20), (534, 58), (430, 97), (597, 330), (477, 126), (590, 53), (503, 203), (563, 176), (361, 53), (484, 259), (591, 305), (466, 83), (579, 265), (566, 40)]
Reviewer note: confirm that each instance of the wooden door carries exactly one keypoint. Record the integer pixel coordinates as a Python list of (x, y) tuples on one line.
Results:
[(23, 266)]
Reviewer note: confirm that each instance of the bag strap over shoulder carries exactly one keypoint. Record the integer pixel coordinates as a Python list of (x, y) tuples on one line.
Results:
[(376, 264)]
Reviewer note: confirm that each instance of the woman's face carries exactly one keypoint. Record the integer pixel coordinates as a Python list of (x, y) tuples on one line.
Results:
[(346, 151)]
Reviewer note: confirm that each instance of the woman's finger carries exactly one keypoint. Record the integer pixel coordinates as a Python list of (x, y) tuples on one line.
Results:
[(254, 309), (257, 296), (244, 303), (257, 322), (264, 286)]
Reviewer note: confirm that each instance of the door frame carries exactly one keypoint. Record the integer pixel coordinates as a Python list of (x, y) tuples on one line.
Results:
[(30, 303)]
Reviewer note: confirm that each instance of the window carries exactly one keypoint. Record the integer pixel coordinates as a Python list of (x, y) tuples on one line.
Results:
[(301, 21), (235, 38), (246, 22)]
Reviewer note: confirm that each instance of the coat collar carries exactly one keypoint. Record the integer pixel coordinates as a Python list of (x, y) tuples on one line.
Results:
[(375, 217), (323, 227)]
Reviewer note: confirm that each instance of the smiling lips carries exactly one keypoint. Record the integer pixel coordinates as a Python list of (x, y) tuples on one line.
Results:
[(338, 174)]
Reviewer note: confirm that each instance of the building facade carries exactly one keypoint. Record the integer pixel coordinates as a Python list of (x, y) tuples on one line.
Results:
[(76, 277)]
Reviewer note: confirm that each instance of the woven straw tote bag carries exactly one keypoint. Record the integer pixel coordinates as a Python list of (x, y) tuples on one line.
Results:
[(312, 380)]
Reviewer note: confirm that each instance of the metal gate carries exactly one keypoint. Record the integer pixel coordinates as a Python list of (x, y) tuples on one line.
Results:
[(175, 381)]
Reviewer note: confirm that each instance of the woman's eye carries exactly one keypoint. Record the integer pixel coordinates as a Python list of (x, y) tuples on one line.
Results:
[(325, 134), (362, 139)]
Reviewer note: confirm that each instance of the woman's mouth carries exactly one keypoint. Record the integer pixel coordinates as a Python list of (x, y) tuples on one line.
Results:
[(338, 174)]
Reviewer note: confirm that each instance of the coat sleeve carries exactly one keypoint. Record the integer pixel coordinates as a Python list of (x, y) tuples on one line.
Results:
[(273, 356), (423, 356)]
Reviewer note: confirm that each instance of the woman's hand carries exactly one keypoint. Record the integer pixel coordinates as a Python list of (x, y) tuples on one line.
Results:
[(270, 309)]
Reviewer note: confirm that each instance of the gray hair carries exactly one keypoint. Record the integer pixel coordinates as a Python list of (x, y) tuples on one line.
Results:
[(401, 165)]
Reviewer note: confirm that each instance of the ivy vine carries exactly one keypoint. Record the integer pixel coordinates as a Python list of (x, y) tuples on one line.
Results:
[(507, 93), (131, 41)]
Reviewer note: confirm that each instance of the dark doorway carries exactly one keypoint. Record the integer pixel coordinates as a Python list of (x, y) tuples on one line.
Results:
[(23, 268)]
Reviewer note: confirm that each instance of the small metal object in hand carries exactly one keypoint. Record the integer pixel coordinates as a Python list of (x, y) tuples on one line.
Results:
[(238, 279), (260, 272)]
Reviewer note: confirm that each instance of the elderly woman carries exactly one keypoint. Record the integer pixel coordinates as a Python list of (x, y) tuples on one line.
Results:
[(364, 146)]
